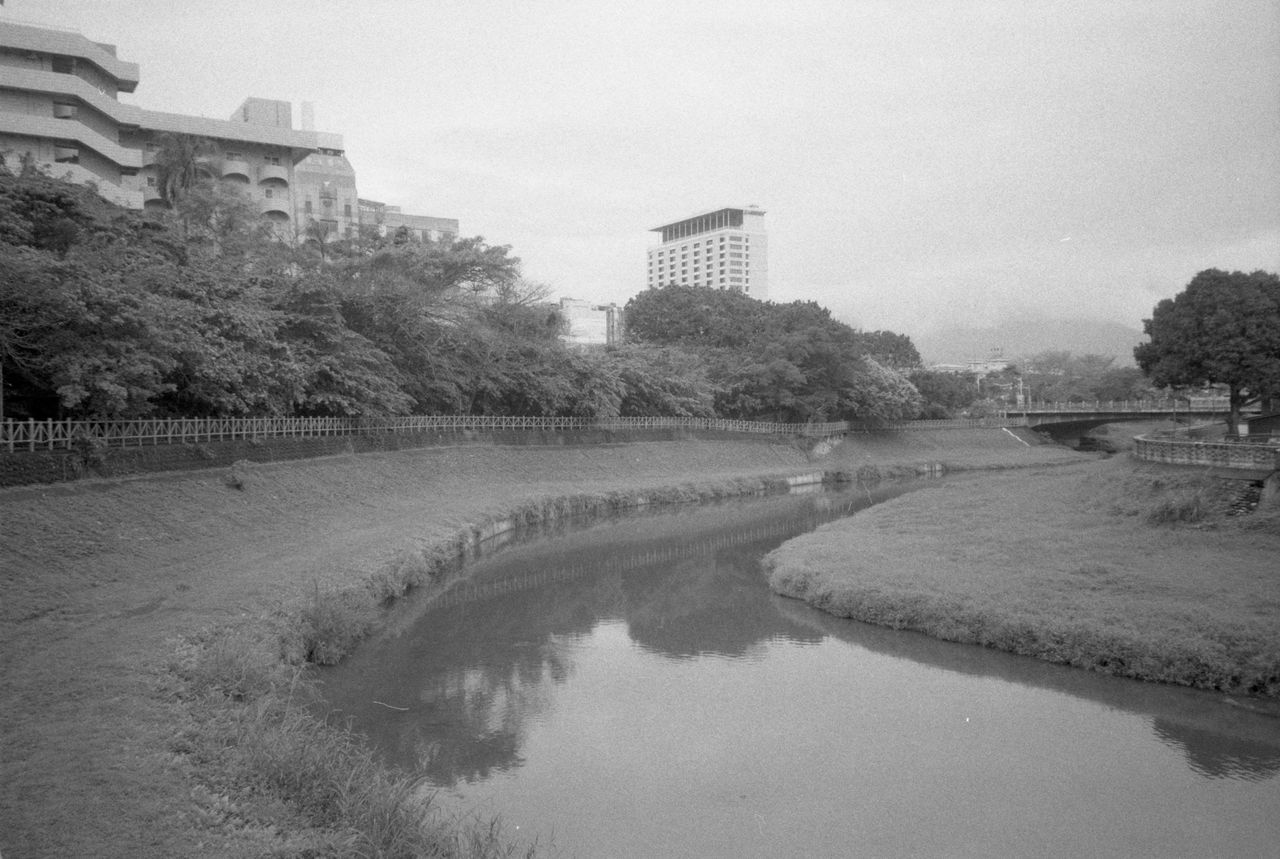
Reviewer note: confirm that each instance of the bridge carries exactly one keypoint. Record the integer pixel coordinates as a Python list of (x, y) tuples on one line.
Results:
[(1069, 417)]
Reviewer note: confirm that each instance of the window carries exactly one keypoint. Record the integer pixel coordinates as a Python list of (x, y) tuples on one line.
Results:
[(267, 193), (62, 110), (272, 159), (234, 156), (306, 207), (346, 210), (151, 181), (64, 65)]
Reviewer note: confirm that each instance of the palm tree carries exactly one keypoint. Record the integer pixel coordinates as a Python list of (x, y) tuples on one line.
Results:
[(181, 162)]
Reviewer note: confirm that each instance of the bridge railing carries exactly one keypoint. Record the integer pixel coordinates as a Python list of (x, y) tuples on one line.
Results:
[(1211, 405), (1213, 453)]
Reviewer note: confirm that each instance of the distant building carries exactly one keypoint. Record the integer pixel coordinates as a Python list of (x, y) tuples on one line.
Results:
[(388, 220), (590, 324), (59, 109), (722, 249)]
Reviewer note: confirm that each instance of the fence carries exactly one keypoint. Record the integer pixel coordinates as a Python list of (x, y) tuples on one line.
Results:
[(1211, 405), (32, 435), (1220, 454)]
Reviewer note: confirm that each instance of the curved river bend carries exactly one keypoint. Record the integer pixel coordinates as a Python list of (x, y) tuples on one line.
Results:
[(631, 688)]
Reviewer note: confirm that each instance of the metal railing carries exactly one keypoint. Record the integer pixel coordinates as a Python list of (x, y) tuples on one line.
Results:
[(33, 435), (1212, 405)]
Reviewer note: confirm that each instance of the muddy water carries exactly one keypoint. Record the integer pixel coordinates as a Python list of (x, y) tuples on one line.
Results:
[(632, 689)]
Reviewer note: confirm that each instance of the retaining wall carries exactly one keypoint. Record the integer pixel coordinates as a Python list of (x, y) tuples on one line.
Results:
[(23, 468)]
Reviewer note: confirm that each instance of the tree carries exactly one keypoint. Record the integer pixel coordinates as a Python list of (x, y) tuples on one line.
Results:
[(1221, 329), (944, 395), (182, 160)]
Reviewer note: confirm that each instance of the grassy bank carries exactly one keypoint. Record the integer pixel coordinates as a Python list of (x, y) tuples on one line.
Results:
[(154, 629), (1116, 566)]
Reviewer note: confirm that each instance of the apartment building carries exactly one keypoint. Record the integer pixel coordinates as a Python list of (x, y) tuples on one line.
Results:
[(723, 249), (59, 106), (389, 220)]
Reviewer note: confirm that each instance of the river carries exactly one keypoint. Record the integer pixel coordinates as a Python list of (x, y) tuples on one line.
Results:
[(631, 688)]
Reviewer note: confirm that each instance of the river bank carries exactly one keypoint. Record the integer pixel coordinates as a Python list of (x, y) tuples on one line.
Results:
[(115, 591), (1117, 566)]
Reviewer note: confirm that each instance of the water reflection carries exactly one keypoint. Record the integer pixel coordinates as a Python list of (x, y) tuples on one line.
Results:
[(483, 673), (472, 668)]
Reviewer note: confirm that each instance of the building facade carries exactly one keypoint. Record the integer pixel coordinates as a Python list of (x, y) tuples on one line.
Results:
[(722, 249), (60, 109), (389, 220)]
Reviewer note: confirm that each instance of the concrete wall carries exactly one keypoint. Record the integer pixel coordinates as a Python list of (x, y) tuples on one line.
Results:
[(25, 468)]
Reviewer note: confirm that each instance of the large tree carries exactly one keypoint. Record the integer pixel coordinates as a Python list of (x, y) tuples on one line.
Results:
[(1224, 328)]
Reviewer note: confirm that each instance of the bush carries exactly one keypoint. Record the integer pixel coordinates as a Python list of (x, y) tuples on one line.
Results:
[(1179, 507), (331, 623)]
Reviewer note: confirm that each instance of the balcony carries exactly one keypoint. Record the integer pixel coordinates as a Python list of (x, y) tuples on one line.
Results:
[(276, 207), (235, 169), (48, 128), (273, 173)]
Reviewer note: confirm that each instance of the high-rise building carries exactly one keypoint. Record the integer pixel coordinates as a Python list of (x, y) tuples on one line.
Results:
[(723, 249), (59, 109)]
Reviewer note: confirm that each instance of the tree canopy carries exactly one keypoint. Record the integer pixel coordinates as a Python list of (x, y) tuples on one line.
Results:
[(784, 362), (202, 310), (1223, 328)]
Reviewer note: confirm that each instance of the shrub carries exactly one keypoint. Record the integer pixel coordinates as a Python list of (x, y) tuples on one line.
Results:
[(1185, 506), (331, 623)]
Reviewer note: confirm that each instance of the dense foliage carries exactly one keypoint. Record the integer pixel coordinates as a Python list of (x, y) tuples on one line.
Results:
[(203, 310), (784, 362), (1224, 328)]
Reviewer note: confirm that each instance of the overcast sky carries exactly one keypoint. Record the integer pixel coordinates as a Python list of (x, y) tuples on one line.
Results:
[(920, 163)]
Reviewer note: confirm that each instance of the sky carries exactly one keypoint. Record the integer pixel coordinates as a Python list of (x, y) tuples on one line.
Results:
[(922, 164)]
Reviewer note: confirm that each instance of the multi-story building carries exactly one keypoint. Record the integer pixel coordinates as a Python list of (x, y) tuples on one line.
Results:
[(388, 220), (59, 108), (723, 249)]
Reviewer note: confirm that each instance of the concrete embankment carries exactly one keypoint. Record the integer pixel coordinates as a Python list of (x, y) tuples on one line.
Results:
[(104, 578)]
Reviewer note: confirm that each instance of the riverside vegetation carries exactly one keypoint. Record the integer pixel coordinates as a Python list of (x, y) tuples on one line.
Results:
[(1127, 568)]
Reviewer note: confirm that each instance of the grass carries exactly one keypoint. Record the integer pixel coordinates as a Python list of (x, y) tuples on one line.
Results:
[(1115, 566), (251, 733)]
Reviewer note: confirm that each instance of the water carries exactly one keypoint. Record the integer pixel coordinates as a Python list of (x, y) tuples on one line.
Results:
[(633, 689)]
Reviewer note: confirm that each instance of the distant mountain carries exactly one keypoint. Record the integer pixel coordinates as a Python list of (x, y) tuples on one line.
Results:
[(1017, 338)]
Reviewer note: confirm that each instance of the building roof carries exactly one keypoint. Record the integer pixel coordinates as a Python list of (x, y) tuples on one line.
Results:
[(753, 209)]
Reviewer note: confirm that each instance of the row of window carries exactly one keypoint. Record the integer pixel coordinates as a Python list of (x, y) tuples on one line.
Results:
[(327, 202), (733, 242)]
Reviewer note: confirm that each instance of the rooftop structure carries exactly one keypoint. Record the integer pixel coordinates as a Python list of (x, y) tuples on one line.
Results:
[(588, 324), (723, 249)]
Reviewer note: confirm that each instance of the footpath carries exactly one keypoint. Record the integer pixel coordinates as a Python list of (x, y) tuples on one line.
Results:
[(100, 582)]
